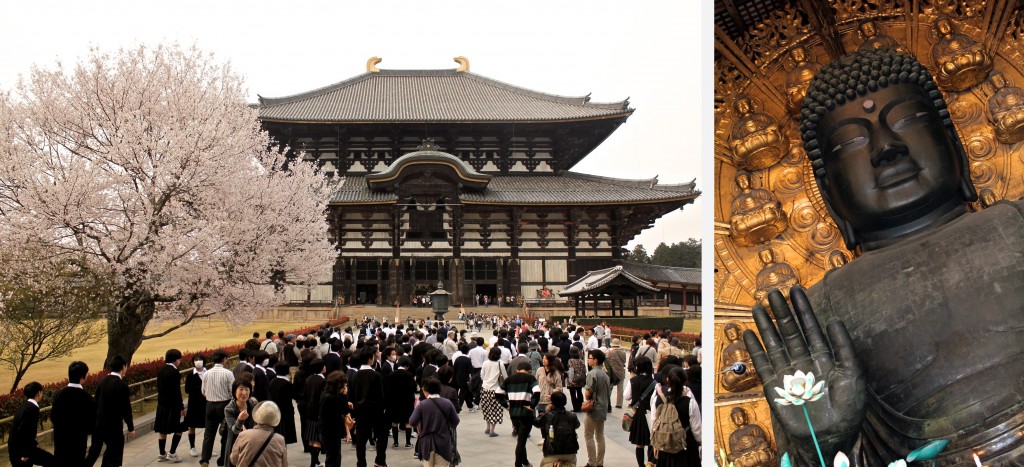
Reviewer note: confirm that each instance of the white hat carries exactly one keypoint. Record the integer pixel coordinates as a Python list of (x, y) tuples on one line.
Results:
[(266, 413)]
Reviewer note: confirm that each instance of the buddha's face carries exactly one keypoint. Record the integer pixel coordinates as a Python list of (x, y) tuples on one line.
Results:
[(868, 29), (767, 256), (743, 106), (739, 418), (837, 259), (998, 81), (944, 27), (743, 181), (888, 158), (732, 333), (798, 55)]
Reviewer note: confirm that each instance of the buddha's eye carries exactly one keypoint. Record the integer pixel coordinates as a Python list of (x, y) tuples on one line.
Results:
[(849, 143), (909, 120)]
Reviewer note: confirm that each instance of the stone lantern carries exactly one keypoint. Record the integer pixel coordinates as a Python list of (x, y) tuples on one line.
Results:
[(439, 299)]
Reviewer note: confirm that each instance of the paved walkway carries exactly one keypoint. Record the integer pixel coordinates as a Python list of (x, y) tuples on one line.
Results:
[(476, 448)]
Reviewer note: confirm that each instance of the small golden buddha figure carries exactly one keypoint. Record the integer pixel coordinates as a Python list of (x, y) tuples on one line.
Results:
[(773, 275), (961, 61), (748, 445), (736, 351), (837, 259), (756, 215), (757, 142), (873, 39), (986, 198), (798, 79), (1006, 110)]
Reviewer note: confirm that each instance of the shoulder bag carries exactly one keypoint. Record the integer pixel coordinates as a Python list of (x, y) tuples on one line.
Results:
[(630, 414), (262, 448)]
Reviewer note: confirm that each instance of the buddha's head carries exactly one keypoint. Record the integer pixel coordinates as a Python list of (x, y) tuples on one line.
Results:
[(944, 27), (884, 151), (743, 180), (732, 332), (837, 259), (998, 81), (743, 106), (739, 417), (766, 255), (799, 55), (868, 29)]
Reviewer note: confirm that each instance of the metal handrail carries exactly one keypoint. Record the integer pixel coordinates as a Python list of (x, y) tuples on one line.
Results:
[(140, 385)]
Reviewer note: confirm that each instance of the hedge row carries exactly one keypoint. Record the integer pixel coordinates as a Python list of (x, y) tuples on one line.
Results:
[(642, 322), (137, 372)]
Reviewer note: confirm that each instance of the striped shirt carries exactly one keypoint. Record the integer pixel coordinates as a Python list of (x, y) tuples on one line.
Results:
[(523, 393), (217, 384)]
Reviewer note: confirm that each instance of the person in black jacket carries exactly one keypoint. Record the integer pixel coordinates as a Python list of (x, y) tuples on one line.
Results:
[(366, 392), (169, 406), (113, 411), (400, 399), (260, 381), (281, 392), (22, 446), (73, 415), (312, 391), (463, 366), (195, 413), (333, 407)]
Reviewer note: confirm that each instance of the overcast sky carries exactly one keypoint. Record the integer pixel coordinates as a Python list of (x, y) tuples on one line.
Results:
[(646, 51)]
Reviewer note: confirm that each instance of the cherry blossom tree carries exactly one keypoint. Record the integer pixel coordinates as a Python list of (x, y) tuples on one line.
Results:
[(149, 165)]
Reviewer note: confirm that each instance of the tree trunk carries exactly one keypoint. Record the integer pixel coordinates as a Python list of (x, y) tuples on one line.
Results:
[(18, 375), (125, 328)]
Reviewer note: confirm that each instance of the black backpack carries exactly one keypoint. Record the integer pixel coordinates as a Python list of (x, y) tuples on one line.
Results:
[(562, 435)]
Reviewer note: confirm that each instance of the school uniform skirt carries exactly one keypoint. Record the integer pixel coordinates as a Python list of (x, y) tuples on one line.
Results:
[(167, 421), (493, 412), (311, 431)]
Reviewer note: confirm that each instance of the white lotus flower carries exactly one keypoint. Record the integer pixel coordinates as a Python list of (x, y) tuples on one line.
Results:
[(899, 463), (841, 460), (799, 388)]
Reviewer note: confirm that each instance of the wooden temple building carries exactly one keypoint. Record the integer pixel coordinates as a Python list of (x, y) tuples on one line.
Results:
[(453, 176)]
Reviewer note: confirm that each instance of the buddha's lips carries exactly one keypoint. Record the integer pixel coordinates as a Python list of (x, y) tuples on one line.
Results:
[(890, 175)]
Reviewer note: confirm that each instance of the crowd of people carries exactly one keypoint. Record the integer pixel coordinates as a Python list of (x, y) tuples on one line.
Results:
[(369, 383)]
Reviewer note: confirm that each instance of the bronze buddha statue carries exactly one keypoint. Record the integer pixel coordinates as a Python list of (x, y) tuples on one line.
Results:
[(798, 78), (736, 351), (774, 274), (873, 39), (748, 444), (1006, 110), (924, 327), (961, 61), (756, 215), (757, 142)]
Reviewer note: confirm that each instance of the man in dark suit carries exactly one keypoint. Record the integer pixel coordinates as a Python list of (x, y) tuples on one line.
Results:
[(388, 365), (332, 361), (169, 406), (366, 392), (22, 446), (281, 392), (73, 415), (113, 408), (246, 359), (261, 381)]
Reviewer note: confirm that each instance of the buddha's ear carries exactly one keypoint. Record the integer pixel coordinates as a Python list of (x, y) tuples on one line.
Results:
[(967, 190), (849, 236)]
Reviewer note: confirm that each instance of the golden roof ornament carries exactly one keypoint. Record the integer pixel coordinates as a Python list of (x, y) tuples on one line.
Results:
[(371, 65), (463, 64)]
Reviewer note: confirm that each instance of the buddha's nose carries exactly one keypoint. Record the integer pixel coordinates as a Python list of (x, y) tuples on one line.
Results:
[(889, 152)]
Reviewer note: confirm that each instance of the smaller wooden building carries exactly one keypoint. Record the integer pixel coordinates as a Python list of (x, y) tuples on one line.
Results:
[(609, 288), (680, 288)]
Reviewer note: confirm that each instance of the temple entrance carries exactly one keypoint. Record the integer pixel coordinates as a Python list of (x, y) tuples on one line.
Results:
[(366, 293), (488, 290)]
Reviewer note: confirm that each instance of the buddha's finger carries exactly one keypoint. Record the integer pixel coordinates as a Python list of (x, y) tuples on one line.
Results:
[(773, 345), (842, 348), (761, 364), (788, 327), (812, 330)]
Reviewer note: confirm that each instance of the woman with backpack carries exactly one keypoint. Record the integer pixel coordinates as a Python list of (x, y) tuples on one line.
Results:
[(558, 428), (676, 432), (577, 378), (639, 391)]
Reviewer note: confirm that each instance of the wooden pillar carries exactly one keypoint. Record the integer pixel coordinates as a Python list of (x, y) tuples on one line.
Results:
[(636, 305)]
